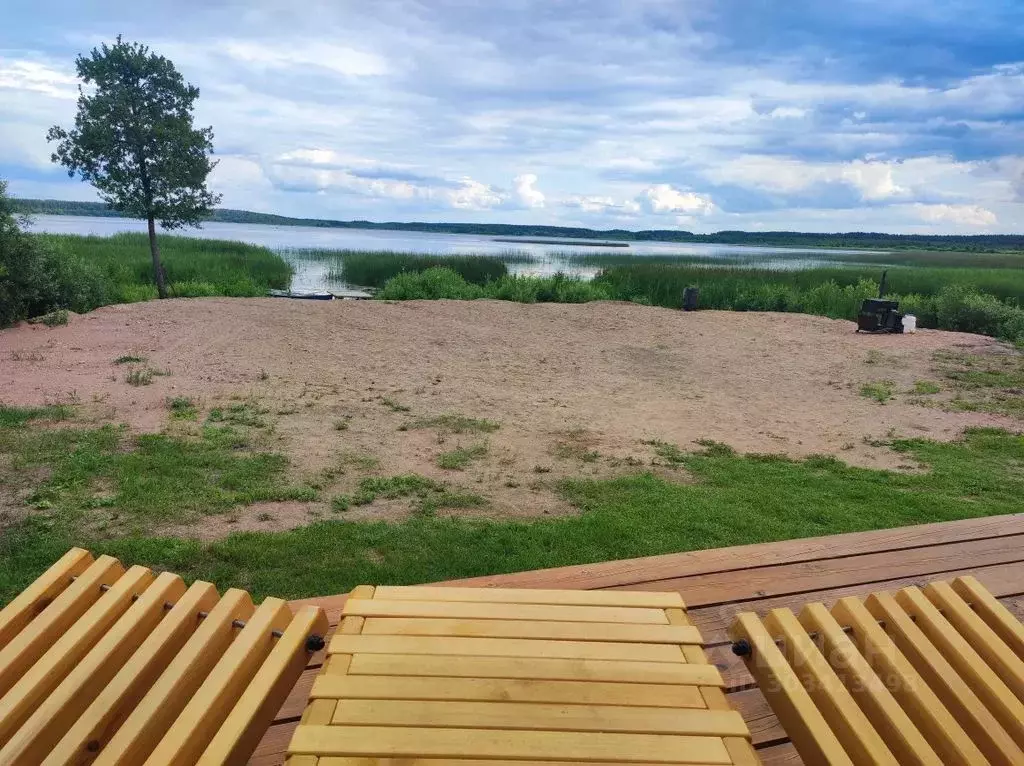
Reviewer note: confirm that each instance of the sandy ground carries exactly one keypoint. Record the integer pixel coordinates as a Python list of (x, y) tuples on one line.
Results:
[(564, 382)]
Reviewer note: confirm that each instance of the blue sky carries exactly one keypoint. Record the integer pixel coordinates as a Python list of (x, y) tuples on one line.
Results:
[(889, 115)]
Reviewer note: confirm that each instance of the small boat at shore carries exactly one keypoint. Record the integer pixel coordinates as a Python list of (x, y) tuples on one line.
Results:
[(319, 295)]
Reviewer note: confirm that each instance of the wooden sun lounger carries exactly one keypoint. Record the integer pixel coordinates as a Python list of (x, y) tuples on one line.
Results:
[(433, 675), (99, 664), (931, 675)]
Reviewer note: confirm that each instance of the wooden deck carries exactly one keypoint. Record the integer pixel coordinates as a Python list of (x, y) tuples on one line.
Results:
[(718, 583)]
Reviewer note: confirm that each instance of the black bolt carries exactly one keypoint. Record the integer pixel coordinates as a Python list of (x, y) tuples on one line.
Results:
[(315, 643), (742, 648)]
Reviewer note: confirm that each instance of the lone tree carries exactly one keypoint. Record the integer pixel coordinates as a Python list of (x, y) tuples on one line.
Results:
[(134, 141)]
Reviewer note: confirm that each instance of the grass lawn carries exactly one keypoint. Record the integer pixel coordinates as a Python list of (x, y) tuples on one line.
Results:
[(105, 489)]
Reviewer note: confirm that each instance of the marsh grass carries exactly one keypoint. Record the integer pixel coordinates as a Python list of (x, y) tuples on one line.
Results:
[(374, 268), (195, 267)]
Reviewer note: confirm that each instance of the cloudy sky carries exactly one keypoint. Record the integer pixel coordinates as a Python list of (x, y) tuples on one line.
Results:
[(883, 115)]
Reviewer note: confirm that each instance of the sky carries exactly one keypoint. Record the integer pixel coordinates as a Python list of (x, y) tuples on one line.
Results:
[(849, 115)]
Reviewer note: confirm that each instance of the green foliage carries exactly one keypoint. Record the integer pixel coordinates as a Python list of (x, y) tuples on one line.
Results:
[(239, 414), (37, 279), (182, 408), (130, 359), (880, 390), (729, 500), (13, 417), (459, 458), (457, 424), (56, 318), (438, 283), (373, 269), (432, 284), (133, 137), (925, 387), (394, 406)]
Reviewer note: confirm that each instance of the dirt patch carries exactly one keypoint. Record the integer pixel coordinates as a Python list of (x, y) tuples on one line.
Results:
[(259, 517), (576, 389)]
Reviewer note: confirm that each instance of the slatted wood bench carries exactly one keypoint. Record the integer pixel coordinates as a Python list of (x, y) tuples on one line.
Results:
[(460, 675), (931, 675), (107, 665)]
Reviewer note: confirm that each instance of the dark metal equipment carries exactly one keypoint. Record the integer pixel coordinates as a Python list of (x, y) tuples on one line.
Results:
[(878, 314), (691, 297)]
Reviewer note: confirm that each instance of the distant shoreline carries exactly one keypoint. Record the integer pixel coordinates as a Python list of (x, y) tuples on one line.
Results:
[(979, 243), (571, 242)]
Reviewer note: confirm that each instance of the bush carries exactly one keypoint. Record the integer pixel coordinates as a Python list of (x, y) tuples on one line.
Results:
[(429, 285), (38, 279)]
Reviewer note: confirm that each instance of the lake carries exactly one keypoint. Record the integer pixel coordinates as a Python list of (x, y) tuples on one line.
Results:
[(311, 274)]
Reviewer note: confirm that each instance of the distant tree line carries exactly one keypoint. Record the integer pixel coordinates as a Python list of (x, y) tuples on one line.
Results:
[(857, 239)]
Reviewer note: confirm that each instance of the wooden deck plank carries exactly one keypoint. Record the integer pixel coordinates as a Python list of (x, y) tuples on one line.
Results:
[(483, 611), (562, 631), (504, 647), (632, 572), (538, 717), (531, 667), (736, 586), (507, 689), (528, 596), (385, 741)]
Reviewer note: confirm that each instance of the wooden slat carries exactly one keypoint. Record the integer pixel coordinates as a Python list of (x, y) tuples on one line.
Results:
[(899, 732), (956, 695), (150, 719), (67, 650), (539, 717), (992, 612), (508, 689), (922, 705), (734, 586), (194, 729), (984, 640), (504, 647), (114, 703), (51, 719), (564, 631), (385, 741), (332, 760), (632, 572), (31, 601), (528, 596), (982, 680), (481, 611), (835, 703), (24, 649), (523, 667), (788, 698), (243, 727)]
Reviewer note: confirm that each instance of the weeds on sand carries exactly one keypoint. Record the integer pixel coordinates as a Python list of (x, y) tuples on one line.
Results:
[(880, 390), (458, 459)]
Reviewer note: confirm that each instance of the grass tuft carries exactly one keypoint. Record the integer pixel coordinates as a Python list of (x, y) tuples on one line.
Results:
[(880, 390), (456, 424), (458, 459)]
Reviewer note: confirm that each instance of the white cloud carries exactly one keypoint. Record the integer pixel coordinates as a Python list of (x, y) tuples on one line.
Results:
[(28, 75), (874, 180), (787, 113), (962, 215), (596, 204), (663, 198), (527, 192), (474, 195), (292, 54)]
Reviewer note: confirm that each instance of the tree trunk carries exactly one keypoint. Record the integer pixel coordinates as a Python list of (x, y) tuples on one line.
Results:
[(158, 267)]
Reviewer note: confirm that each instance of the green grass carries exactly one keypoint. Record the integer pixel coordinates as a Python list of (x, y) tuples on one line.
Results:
[(394, 406), (984, 382), (427, 495), (925, 387), (729, 500), (457, 459), (13, 417), (130, 359), (139, 376), (456, 424), (182, 408), (195, 267), (879, 390), (239, 414)]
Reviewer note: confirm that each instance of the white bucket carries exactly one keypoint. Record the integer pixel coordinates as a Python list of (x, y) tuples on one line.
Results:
[(909, 323)]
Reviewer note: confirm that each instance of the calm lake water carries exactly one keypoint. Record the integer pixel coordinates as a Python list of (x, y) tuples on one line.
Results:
[(312, 274)]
